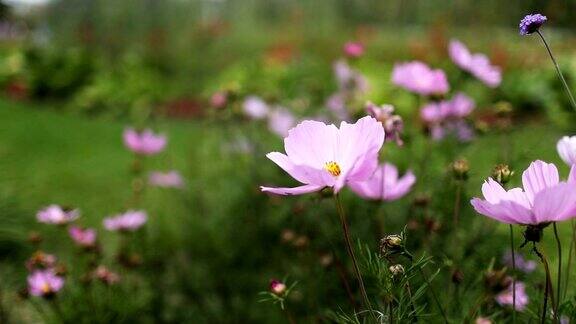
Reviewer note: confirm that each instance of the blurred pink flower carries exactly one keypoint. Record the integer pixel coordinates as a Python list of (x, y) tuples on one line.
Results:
[(353, 49), (219, 99), (55, 214), (83, 237), (336, 103), (483, 320), (505, 298), (280, 121), (129, 221), (393, 124), (522, 264), (169, 179), (417, 77), (44, 283), (41, 260), (384, 184), (320, 155), (567, 149), (145, 142), (543, 199), (255, 108), (447, 117), (349, 79), (476, 64), (104, 274)]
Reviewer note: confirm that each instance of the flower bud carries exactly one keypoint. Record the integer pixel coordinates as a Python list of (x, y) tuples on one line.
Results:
[(396, 270), (391, 244), (460, 169), (502, 173), (277, 287)]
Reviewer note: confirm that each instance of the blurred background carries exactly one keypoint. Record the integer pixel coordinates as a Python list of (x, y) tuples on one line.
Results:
[(75, 73)]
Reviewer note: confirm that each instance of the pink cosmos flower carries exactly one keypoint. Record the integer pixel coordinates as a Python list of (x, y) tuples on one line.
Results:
[(476, 64), (543, 198), (169, 179), (522, 264), (145, 142), (447, 116), (55, 214), (393, 124), (506, 297), (280, 121), (384, 184), (83, 237), (320, 155), (567, 149), (353, 49), (129, 221), (255, 108), (417, 77), (44, 283)]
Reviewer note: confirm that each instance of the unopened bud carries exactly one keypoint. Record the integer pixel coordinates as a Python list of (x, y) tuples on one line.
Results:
[(277, 287), (502, 173), (460, 169), (391, 244), (396, 270)]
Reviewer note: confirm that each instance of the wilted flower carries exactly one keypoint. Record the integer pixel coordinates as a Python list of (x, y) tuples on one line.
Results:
[(384, 184), (393, 124), (280, 121), (502, 173), (417, 77), (567, 149), (531, 23), (353, 49), (521, 263), (543, 199), (169, 179), (320, 155), (106, 276), (277, 287), (255, 108), (83, 237), (129, 221), (396, 270), (476, 64), (55, 214), (505, 298), (41, 260), (44, 283), (391, 244), (145, 142)]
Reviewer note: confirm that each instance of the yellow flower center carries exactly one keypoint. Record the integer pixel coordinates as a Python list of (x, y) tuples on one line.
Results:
[(333, 168), (46, 288)]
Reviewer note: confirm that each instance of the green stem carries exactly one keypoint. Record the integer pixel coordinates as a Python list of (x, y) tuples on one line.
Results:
[(559, 268), (513, 274), (456, 215), (560, 75), (547, 289), (569, 265), (350, 249)]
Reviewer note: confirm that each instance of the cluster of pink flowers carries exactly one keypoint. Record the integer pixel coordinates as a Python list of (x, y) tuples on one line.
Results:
[(145, 142), (126, 222), (448, 116), (476, 64), (419, 78)]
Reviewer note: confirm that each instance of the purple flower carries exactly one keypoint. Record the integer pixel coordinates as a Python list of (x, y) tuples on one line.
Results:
[(417, 77), (145, 142), (506, 298), (384, 184), (280, 121), (83, 237), (393, 124), (129, 221), (476, 64), (55, 214), (522, 264), (255, 108), (543, 198), (44, 283), (320, 155), (353, 49), (169, 179), (531, 23), (567, 149)]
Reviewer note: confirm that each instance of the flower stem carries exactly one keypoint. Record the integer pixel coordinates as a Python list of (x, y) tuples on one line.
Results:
[(560, 75), (548, 287), (559, 268), (569, 265), (436, 300), (350, 249), (513, 274), (456, 215)]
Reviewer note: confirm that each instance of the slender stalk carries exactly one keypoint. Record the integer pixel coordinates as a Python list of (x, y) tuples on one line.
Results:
[(558, 284), (560, 75), (513, 274), (569, 265), (548, 291), (350, 249), (456, 215), (412, 307), (436, 300)]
